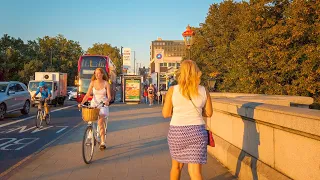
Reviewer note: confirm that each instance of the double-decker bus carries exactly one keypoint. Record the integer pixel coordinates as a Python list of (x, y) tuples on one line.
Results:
[(86, 66)]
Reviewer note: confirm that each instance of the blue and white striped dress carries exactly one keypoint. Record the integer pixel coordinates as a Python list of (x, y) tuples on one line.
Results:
[(187, 137)]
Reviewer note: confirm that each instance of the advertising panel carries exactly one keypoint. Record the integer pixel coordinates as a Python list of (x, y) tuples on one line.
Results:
[(132, 89)]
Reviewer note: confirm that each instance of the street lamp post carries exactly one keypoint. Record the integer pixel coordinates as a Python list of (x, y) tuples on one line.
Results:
[(134, 62), (51, 56), (188, 38), (121, 70)]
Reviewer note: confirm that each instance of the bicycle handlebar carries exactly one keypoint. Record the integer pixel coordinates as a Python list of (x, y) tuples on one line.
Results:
[(100, 104)]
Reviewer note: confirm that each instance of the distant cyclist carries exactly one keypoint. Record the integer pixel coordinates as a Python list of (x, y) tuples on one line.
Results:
[(45, 96)]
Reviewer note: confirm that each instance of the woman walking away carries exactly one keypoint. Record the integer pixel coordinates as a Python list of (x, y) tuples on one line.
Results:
[(187, 103), (99, 87)]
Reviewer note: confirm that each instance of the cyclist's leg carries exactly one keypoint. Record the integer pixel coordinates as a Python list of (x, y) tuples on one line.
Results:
[(106, 119), (102, 117), (46, 108), (105, 111), (101, 128), (39, 106)]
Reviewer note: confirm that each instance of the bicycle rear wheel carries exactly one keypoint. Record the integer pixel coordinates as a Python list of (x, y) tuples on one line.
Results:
[(88, 145), (48, 119), (38, 119)]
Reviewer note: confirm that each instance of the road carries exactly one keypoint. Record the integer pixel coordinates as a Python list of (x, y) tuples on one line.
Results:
[(19, 138)]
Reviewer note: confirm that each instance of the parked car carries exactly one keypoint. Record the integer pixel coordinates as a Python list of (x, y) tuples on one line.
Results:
[(14, 96), (70, 88), (73, 94)]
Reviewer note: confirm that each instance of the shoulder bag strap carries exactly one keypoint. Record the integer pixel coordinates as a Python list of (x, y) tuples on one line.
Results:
[(196, 108)]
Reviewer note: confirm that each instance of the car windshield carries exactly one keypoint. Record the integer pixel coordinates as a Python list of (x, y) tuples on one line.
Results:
[(3, 88), (70, 88)]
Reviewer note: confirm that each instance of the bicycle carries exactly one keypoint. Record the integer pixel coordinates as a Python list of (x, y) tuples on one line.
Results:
[(41, 115), (91, 135)]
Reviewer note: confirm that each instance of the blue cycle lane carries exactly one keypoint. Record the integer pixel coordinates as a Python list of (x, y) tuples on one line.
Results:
[(20, 139)]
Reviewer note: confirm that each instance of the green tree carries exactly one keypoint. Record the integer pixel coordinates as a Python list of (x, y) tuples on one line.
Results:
[(60, 54), (12, 52), (29, 69), (261, 46)]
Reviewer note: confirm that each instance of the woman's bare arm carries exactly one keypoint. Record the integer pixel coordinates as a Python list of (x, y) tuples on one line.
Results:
[(85, 98), (167, 107), (207, 109)]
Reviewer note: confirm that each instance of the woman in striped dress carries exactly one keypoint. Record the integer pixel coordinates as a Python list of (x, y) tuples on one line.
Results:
[(187, 103)]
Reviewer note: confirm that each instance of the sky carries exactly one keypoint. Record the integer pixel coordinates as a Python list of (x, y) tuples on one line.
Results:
[(133, 24)]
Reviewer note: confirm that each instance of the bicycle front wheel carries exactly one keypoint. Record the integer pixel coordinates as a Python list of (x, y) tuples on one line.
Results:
[(88, 145), (38, 119)]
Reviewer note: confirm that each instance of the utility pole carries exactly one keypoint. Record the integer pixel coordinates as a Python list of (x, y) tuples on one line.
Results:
[(121, 66), (51, 56), (121, 73), (137, 69), (134, 62)]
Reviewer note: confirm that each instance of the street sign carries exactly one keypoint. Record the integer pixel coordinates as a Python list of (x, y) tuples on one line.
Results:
[(159, 53), (127, 57)]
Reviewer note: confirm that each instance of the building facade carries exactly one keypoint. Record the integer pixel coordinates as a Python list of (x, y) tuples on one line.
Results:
[(172, 52)]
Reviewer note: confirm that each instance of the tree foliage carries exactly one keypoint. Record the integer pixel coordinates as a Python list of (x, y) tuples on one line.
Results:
[(19, 60), (261, 46)]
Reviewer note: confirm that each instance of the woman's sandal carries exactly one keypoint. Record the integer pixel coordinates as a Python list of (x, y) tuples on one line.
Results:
[(102, 146)]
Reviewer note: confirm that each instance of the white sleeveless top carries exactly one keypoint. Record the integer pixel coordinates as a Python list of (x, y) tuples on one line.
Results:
[(98, 96), (184, 112)]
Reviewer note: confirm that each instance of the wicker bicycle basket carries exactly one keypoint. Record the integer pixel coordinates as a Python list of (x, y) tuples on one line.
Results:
[(90, 114)]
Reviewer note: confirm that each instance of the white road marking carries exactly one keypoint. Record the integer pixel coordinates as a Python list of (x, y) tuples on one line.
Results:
[(64, 127), (22, 129), (41, 129), (17, 121), (17, 144)]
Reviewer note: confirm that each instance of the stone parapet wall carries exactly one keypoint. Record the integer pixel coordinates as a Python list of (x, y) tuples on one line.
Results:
[(264, 141)]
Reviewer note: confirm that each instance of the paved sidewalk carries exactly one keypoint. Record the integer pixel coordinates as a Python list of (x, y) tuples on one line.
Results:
[(137, 149)]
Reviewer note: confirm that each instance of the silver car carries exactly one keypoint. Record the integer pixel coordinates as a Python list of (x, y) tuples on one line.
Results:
[(14, 96), (72, 94)]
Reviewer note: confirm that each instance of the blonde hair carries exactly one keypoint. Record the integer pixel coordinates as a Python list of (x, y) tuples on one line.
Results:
[(104, 76), (189, 79)]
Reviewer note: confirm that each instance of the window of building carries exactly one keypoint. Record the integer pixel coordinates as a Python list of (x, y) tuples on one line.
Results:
[(163, 64), (172, 64), (178, 65)]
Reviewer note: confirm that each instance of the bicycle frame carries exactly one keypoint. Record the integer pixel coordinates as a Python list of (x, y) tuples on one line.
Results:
[(96, 129), (92, 134), (94, 124), (41, 116)]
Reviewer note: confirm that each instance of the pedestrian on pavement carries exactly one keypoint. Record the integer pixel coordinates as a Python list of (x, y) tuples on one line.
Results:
[(100, 88), (151, 94), (187, 103), (145, 94)]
